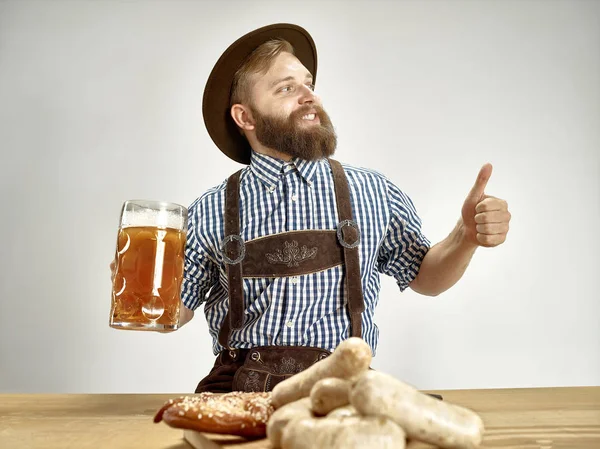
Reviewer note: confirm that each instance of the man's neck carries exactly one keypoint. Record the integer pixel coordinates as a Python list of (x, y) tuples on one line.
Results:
[(273, 153)]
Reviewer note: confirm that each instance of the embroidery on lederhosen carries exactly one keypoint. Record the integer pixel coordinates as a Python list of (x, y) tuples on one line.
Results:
[(252, 382), (291, 255), (289, 366)]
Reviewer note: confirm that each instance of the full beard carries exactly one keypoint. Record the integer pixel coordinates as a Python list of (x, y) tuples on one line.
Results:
[(288, 136)]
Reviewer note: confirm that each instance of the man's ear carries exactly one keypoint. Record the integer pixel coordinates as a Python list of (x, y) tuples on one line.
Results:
[(242, 117)]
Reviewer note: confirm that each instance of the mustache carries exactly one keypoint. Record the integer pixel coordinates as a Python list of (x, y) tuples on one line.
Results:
[(307, 109)]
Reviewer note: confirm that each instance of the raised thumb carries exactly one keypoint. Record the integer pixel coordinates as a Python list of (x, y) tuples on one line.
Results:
[(478, 189)]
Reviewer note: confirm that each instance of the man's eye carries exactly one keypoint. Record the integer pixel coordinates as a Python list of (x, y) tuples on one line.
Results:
[(311, 86), (286, 89)]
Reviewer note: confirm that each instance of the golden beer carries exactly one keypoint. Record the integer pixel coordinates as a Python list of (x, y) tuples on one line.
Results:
[(148, 267)]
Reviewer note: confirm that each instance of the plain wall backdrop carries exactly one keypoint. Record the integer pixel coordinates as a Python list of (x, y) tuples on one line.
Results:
[(100, 102)]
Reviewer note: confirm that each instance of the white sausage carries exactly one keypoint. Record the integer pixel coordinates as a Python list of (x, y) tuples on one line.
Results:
[(282, 416), (353, 432), (346, 410), (423, 417), (329, 394), (350, 358)]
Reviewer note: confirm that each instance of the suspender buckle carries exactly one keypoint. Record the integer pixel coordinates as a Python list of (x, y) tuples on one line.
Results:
[(340, 235), (241, 248)]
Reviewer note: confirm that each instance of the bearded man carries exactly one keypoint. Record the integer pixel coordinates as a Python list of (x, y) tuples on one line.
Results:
[(286, 254)]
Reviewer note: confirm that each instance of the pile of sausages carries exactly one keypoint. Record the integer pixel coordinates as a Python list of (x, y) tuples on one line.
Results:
[(340, 403)]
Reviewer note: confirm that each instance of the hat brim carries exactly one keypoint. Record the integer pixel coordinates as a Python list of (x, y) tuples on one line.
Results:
[(215, 104)]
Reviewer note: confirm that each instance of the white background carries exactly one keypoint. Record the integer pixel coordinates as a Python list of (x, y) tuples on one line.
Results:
[(101, 102)]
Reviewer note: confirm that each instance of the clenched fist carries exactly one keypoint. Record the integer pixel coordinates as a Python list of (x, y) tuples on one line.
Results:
[(486, 218)]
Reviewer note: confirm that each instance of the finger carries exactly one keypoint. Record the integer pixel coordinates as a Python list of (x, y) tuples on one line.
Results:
[(478, 188), (492, 228), (490, 204), (491, 240), (495, 216)]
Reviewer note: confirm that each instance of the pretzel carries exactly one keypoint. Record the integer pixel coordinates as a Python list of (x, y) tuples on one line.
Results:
[(236, 413)]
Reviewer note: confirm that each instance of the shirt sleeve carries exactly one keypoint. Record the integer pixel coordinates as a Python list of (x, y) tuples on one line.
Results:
[(404, 246), (200, 272)]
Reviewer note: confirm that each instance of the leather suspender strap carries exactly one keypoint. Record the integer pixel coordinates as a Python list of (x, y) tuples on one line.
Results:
[(233, 255), (349, 238)]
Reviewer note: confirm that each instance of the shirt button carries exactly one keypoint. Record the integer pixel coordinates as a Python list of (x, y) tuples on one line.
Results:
[(271, 189), (309, 183), (290, 323), (294, 280), (294, 197)]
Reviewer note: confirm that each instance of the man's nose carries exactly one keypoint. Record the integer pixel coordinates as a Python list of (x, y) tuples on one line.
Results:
[(307, 95)]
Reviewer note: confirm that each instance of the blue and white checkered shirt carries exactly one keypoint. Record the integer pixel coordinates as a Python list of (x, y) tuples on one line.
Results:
[(308, 310)]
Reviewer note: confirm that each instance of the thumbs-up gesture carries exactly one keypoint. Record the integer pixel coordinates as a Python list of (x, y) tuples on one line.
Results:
[(485, 217)]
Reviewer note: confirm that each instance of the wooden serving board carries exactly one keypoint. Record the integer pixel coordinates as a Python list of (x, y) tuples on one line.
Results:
[(201, 440)]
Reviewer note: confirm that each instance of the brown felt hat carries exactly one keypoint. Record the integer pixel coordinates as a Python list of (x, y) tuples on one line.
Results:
[(215, 104)]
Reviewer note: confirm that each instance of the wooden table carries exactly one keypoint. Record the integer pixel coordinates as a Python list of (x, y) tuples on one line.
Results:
[(540, 418)]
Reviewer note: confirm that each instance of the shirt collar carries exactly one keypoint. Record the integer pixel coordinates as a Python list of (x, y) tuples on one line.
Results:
[(269, 169)]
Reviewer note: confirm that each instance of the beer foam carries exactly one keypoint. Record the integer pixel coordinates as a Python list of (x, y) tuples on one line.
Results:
[(154, 218)]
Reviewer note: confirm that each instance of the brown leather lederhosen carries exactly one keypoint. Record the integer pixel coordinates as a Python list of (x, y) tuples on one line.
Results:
[(290, 253)]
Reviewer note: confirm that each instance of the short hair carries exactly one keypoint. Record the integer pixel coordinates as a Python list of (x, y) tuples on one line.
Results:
[(258, 62)]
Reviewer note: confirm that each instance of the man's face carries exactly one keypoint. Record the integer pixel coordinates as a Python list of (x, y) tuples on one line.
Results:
[(288, 115)]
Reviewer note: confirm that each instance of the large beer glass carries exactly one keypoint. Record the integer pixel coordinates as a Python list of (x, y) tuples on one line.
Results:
[(148, 266)]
